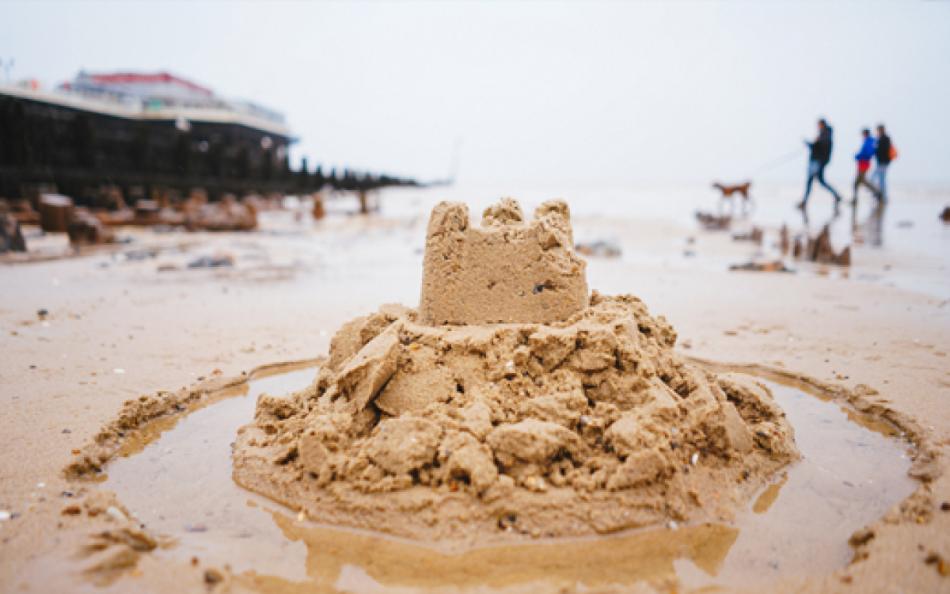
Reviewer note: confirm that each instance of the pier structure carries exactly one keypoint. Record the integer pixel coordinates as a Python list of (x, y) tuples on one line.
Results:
[(149, 134)]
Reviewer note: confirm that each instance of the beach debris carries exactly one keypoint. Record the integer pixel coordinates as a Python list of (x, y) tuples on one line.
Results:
[(319, 208), (196, 528), (21, 210), (109, 197), (5, 515), (111, 553), (509, 393), (713, 222), (366, 204), (259, 203), (945, 215), (819, 249), (754, 235), (599, 249), (939, 563), (771, 266), (225, 215), (148, 211), (116, 514), (71, 510), (195, 213), (905, 224), (138, 255), (213, 576), (213, 261), (86, 229), (56, 211), (11, 237)]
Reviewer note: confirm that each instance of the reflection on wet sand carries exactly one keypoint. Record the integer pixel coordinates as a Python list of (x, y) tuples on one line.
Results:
[(768, 496), (871, 230), (347, 561), (177, 476)]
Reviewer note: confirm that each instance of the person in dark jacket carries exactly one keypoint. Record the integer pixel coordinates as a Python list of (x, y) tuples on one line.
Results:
[(883, 153), (863, 157), (819, 156)]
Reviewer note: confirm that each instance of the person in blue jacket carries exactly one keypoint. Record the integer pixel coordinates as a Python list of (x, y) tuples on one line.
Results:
[(863, 158), (818, 158)]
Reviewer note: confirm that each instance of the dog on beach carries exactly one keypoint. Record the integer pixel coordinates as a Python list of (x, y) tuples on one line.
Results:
[(729, 193)]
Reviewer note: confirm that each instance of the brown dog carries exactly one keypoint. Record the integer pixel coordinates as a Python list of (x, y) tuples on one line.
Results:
[(740, 189)]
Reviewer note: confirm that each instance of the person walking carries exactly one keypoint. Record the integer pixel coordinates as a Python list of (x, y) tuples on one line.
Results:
[(863, 157), (818, 159), (885, 153)]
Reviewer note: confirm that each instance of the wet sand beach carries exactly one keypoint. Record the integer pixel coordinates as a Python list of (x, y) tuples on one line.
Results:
[(135, 320)]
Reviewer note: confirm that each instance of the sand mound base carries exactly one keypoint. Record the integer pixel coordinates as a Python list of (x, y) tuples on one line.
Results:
[(481, 433)]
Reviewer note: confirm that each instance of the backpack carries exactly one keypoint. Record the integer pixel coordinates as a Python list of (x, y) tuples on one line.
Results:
[(893, 152)]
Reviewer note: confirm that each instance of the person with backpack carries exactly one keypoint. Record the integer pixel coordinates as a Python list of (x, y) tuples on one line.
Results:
[(885, 153), (863, 157), (818, 158)]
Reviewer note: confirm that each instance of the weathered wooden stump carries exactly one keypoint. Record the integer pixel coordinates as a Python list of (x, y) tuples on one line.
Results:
[(56, 211), (86, 229), (11, 239)]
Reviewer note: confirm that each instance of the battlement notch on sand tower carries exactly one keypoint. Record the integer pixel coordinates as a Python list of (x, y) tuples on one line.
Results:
[(506, 271)]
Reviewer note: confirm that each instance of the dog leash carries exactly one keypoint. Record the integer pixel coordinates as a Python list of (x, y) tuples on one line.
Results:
[(779, 161)]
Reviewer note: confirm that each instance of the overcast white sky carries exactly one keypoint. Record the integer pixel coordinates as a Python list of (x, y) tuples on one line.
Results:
[(573, 92)]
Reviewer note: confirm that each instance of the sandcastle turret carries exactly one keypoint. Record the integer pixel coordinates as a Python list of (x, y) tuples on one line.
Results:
[(506, 271)]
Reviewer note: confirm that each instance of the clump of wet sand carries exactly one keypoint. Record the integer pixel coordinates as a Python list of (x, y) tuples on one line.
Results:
[(511, 403)]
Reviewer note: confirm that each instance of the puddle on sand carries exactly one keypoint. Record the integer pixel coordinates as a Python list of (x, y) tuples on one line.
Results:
[(177, 480)]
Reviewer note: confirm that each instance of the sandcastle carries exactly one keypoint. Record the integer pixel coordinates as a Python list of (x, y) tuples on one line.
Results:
[(511, 403)]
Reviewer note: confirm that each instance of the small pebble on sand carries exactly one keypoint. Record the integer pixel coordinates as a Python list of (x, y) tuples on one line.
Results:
[(213, 576), (116, 514)]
